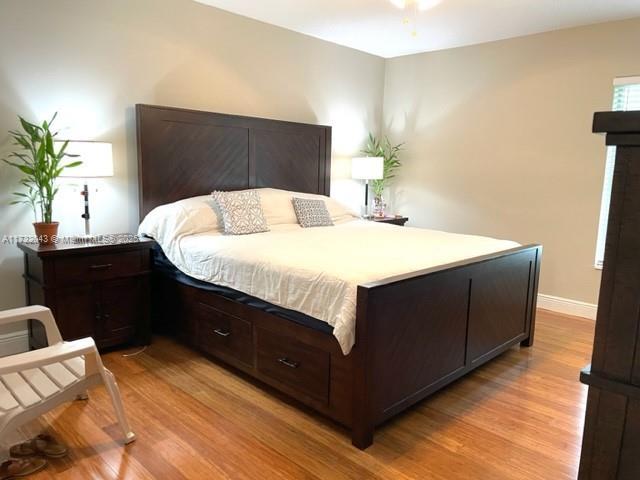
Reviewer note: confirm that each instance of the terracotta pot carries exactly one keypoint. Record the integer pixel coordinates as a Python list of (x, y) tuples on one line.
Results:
[(46, 232)]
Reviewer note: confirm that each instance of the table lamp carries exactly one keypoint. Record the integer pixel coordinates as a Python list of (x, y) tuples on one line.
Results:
[(367, 168), (97, 161)]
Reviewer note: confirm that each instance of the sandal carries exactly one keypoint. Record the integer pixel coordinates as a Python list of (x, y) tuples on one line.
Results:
[(43, 444), (18, 468)]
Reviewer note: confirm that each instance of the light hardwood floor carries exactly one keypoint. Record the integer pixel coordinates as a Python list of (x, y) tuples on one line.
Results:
[(519, 417)]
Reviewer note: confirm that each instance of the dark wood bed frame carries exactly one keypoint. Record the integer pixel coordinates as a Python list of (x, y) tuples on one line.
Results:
[(415, 333)]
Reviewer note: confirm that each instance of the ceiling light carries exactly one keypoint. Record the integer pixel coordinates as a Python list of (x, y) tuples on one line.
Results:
[(427, 4), (414, 6), (420, 4)]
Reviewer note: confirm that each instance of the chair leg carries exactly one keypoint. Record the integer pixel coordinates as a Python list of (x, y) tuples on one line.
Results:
[(116, 399)]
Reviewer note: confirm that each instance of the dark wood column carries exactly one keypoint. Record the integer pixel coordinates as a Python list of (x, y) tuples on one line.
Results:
[(611, 444)]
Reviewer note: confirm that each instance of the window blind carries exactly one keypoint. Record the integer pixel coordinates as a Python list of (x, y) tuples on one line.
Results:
[(626, 96)]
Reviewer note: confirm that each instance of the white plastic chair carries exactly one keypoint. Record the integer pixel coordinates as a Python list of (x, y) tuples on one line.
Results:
[(34, 382)]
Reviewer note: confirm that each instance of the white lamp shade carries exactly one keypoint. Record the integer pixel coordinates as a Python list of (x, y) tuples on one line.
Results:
[(96, 158), (367, 168)]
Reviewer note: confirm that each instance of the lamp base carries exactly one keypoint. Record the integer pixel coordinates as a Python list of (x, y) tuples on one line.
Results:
[(364, 211)]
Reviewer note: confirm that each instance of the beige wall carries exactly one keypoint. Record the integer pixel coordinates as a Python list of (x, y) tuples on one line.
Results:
[(499, 143), (94, 59)]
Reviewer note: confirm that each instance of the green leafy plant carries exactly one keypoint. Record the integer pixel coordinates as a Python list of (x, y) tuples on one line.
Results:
[(40, 164), (391, 153)]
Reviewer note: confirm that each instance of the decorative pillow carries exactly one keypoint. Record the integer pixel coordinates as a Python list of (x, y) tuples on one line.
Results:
[(311, 213), (241, 212)]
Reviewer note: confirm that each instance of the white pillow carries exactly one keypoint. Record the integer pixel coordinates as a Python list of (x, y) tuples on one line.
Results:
[(278, 208), (184, 217)]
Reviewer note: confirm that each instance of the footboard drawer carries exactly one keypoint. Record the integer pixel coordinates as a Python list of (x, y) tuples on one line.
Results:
[(294, 363), (223, 335)]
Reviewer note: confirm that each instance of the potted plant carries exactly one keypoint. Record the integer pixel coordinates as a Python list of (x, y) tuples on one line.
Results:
[(390, 153), (41, 164)]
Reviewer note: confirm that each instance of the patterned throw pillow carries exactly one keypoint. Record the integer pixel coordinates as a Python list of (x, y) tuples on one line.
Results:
[(311, 212), (241, 212)]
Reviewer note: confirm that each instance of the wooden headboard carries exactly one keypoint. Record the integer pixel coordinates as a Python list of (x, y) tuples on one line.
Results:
[(185, 153)]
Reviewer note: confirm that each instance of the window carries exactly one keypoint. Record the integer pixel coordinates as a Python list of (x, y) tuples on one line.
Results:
[(626, 96)]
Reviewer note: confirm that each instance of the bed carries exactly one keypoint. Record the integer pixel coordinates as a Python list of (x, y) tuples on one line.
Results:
[(417, 324)]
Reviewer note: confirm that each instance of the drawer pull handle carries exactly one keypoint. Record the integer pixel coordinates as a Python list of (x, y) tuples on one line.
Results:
[(106, 266), (288, 363), (222, 333)]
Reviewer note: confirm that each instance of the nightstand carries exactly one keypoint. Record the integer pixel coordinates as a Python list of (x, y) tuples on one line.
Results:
[(98, 290), (397, 220)]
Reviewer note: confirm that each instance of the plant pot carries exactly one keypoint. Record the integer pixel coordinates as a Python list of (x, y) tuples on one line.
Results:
[(47, 233)]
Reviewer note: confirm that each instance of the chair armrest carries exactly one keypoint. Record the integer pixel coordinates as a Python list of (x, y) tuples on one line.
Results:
[(34, 312), (48, 355)]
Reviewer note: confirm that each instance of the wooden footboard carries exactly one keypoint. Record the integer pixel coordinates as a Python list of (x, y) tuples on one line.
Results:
[(418, 332)]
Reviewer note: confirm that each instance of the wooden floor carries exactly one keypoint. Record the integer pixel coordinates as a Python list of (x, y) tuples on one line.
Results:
[(519, 417)]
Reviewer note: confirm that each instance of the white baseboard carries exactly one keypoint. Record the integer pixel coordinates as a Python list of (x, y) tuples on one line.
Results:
[(567, 306), (13, 343)]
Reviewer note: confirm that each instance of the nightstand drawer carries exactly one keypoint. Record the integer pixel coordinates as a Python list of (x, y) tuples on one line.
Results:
[(93, 268), (294, 363), (224, 335)]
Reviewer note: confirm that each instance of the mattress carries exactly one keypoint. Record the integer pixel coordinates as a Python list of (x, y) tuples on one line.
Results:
[(316, 271), (163, 266)]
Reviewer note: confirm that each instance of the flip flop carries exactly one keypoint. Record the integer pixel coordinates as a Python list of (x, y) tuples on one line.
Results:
[(21, 467), (43, 444)]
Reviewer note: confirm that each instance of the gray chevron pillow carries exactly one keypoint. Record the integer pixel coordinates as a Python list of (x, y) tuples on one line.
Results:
[(241, 212), (311, 212)]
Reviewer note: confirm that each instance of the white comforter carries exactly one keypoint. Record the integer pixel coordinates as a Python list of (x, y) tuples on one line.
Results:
[(317, 270)]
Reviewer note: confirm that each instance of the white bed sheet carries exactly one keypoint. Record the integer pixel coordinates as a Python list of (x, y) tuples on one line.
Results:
[(316, 271)]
